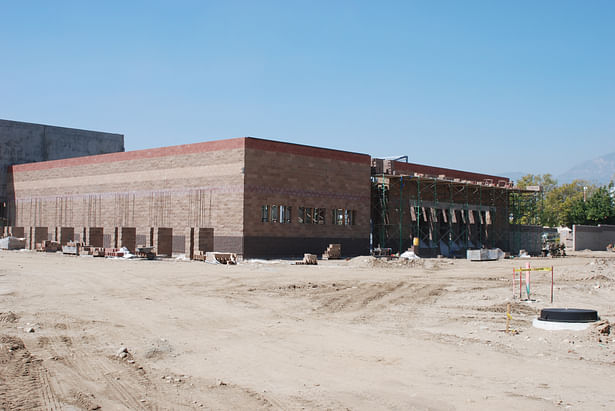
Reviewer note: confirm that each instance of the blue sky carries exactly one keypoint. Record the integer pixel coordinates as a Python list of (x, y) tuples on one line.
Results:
[(488, 86)]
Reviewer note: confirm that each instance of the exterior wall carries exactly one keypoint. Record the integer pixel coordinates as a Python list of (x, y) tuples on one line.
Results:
[(181, 187), (302, 176), (596, 238), (26, 142), (527, 237)]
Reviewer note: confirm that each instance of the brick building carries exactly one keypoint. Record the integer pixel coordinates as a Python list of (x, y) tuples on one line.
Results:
[(260, 198), (246, 195)]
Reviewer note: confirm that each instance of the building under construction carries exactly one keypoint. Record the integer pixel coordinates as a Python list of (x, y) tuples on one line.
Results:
[(447, 211), (261, 198)]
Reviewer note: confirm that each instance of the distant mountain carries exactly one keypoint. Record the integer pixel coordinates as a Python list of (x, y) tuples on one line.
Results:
[(599, 171)]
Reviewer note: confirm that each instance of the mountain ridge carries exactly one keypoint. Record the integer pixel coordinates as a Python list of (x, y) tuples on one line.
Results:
[(599, 171)]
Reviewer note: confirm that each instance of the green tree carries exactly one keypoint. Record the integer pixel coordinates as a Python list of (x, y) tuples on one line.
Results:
[(561, 200), (528, 207), (575, 212), (579, 202), (600, 207)]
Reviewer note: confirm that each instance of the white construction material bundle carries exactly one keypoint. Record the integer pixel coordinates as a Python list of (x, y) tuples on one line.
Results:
[(12, 243)]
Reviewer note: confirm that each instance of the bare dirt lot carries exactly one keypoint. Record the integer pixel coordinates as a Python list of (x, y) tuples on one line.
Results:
[(89, 333)]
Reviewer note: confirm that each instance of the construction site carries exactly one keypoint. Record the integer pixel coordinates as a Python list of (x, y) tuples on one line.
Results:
[(255, 274)]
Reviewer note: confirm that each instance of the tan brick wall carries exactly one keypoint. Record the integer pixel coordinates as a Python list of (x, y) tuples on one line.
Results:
[(193, 186), (202, 189)]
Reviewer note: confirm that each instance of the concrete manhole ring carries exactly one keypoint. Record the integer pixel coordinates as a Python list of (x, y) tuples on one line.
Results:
[(565, 318)]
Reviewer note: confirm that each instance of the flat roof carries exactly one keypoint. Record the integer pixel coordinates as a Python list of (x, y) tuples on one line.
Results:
[(4, 122)]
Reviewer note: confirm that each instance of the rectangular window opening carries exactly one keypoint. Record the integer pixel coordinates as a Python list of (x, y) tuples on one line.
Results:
[(309, 216), (319, 215)]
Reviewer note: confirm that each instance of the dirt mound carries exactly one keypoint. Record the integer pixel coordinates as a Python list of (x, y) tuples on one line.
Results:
[(373, 262)]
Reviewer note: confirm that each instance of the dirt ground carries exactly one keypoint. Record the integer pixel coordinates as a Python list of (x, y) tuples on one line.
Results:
[(361, 334)]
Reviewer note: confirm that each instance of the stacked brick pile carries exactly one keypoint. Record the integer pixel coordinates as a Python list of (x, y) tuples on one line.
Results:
[(332, 252), (48, 246)]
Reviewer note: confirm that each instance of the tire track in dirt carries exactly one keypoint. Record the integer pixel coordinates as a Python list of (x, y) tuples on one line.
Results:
[(87, 367), (20, 384), (50, 399)]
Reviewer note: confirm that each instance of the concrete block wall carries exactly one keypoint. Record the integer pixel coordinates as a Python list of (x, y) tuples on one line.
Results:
[(95, 236), (596, 238), (40, 234), (128, 238), (198, 185), (301, 176), (18, 232), (527, 237), (164, 241), (66, 234), (197, 239), (205, 240), (27, 142)]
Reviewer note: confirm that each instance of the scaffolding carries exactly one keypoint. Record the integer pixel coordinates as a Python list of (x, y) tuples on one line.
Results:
[(448, 216)]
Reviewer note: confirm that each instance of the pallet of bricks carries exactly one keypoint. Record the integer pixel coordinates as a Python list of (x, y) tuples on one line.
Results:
[(308, 259), (48, 246), (199, 256), (334, 251), (93, 251), (114, 252), (145, 252), (72, 248)]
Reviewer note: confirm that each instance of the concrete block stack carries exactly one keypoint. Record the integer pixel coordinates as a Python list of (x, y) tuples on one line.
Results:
[(199, 256), (48, 246), (333, 251), (310, 259)]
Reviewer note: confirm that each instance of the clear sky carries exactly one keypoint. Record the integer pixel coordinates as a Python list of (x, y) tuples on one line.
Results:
[(488, 86)]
